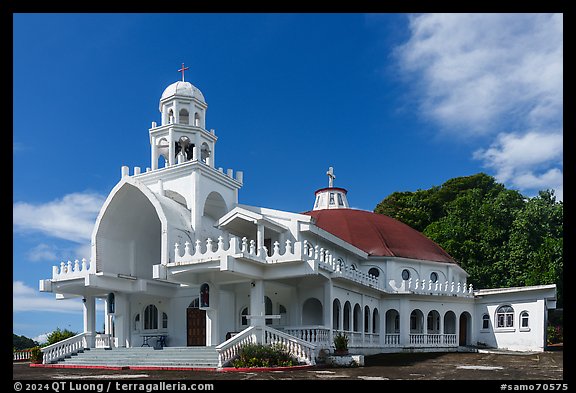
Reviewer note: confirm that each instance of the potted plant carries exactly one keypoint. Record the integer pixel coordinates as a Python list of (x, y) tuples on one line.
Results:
[(36, 355), (340, 344)]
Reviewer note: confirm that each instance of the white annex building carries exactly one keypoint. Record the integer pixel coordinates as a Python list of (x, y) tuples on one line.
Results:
[(181, 263)]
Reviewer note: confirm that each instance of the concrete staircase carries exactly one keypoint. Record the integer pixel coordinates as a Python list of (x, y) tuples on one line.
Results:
[(167, 357)]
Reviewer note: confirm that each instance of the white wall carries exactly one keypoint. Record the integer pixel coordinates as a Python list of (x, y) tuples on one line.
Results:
[(515, 338)]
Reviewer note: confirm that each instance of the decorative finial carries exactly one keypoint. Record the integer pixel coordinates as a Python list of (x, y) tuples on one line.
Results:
[(182, 71), (331, 177)]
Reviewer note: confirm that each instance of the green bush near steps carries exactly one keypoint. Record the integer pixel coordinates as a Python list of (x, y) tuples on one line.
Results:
[(260, 355)]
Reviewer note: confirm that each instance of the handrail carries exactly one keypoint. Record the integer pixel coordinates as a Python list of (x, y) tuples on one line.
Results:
[(67, 347), (229, 349)]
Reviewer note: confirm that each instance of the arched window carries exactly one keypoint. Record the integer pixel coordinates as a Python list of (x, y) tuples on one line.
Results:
[(505, 317), (243, 319), (205, 153), (312, 312), (204, 295), (336, 314), (184, 116), (374, 272), (433, 322), (164, 320), (357, 317), (347, 311), (196, 119), (392, 321), (375, 321), (524, 320), (450, 322), (137, 322), (366, 319), (150, 317), (170, 116), (485, 321), (283, 312), (111, 303), (416, 321), (268, 309)]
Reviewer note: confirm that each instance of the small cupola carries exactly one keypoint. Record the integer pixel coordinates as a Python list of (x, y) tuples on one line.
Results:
[(331, 197)]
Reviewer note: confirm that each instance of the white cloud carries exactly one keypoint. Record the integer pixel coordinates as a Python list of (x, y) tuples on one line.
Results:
[(71, 218), (26, 299), (52, 253), (42, 338), (499, 76), (478, 69), (515, 153)]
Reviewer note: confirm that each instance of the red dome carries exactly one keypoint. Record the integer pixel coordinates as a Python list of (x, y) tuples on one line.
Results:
[(378, 235)]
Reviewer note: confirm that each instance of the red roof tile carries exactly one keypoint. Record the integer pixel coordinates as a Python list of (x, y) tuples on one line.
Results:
[(378, 235)]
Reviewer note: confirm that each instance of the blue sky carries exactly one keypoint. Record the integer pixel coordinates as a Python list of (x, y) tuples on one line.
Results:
[(394, 102)]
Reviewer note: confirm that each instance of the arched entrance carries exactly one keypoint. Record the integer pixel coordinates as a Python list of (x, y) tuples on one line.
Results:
[(195, 325), (463, 331)]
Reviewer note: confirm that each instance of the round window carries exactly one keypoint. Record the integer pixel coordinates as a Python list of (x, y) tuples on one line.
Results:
[(434, 276), (405, 274), (374, 272)]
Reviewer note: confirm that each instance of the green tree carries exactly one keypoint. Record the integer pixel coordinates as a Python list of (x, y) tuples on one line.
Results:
[(500, 237), (536, 244), (59, 335), (23, 342)]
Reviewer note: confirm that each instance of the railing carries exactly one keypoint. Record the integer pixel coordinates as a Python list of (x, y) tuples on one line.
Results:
[(318, 335), (67, 347), (298, 251), (327, 261), (21, 355), (432, 340), (103, 340), (74, 269), (300, 349), (432, 288), (392, 340)]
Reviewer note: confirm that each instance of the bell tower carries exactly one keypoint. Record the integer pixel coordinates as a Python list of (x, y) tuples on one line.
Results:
[(182, 134), (331, 197)]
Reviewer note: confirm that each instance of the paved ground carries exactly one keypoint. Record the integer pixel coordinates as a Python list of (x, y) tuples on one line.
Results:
[(545, 366)]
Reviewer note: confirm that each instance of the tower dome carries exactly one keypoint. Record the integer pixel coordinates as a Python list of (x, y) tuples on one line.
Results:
[(183, 89)]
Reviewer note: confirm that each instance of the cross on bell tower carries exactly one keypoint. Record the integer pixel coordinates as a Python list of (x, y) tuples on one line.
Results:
[(331, 177), (182, 71), (331, 197)]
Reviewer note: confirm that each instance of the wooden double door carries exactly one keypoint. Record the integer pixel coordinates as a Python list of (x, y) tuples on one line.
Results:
[(195, 327)]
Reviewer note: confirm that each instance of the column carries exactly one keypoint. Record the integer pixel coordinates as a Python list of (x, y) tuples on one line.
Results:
[(257, 302), (171, 147), (328, 309), (89, 309), (260, 237), (404, 322), (122, 319)]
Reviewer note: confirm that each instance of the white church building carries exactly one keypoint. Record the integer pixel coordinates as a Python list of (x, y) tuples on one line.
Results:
[(180, 262)]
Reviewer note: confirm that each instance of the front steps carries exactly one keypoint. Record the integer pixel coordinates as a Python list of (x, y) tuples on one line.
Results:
[(144, 357)]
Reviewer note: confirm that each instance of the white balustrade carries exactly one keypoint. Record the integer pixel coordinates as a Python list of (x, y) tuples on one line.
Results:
[(69, 270), (303, 351), (430, 288), (103, 341), (21, 355), (206, 251), (67, 347)]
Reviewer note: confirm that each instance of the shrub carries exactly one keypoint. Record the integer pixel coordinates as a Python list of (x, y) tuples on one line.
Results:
[(341, 342), (554, 334), (36, 355), (259, 355)]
